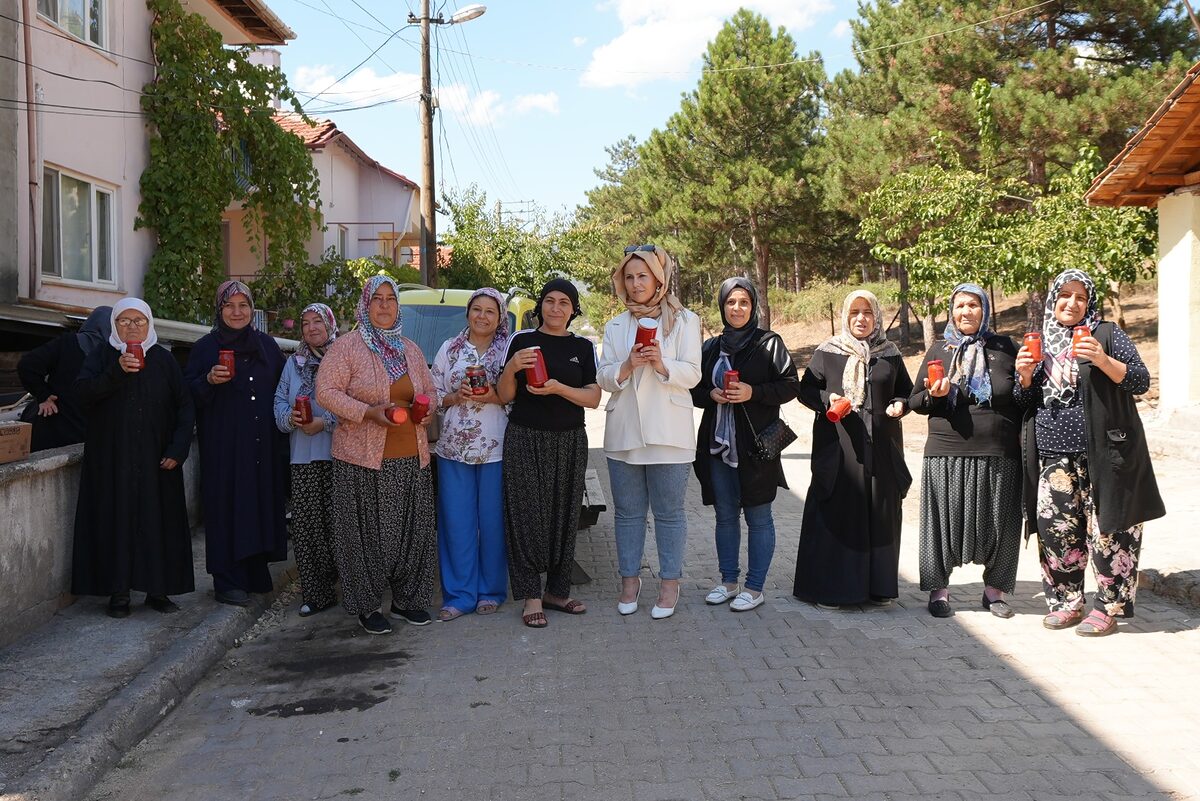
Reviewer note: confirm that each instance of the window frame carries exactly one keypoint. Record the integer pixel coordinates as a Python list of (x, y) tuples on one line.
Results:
[(53, 14), (95, 189)]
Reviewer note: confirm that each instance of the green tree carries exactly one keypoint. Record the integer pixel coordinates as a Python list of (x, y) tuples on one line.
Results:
[(213, 142)]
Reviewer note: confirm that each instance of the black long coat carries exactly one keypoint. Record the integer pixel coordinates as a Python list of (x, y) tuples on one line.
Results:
[(51, 369), (131, 522), (243, 456), (765, 365), (850, 535)]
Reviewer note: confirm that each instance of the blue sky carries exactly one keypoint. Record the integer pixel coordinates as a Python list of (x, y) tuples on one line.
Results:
[(530, 93)]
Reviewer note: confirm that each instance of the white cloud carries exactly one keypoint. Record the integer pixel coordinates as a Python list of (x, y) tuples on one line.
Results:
[(579, 41), (841, 30), (666, 38), (546, 101)]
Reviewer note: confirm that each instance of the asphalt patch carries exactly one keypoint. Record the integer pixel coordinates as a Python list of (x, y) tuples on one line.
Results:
[(358, 702)]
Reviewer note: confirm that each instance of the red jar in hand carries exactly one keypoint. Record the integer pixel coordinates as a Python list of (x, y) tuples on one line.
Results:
[(1033, 343), (935, 371), (839, 409), (304, 408), (731, 378), (226, 359), (419, 408), (536, 376), (647, 332), (134, 349), (477, 379), (396, 415)]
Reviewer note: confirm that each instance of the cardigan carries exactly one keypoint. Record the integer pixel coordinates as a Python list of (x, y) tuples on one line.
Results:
[(351, 380)]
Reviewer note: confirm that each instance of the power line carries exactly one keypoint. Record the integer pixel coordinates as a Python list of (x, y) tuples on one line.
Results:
[(364, 61)]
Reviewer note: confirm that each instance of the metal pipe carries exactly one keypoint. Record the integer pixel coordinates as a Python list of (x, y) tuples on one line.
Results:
[(31, 132)]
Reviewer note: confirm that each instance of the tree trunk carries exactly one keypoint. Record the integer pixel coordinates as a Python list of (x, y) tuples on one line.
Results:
[(762, 263), (927, 332), (797, 284), (1114, 296), (866, 274), (1035, 309), (902, 274), (1037, 169)]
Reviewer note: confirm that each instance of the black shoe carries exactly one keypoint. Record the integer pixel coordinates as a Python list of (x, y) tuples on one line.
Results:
[(941, 608), (414, 617), (879, 600), (999, 607), (161, 603), (118, 605), (375, 623), (234, 597)]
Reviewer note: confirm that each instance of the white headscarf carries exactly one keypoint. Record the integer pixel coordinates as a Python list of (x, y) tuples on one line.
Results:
[(137, 304)]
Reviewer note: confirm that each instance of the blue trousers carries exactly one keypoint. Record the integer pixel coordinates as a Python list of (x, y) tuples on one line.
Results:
[(760, 534), (471, 534)]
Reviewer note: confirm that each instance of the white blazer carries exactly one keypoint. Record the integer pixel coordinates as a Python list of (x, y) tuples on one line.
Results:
[(648, 409)]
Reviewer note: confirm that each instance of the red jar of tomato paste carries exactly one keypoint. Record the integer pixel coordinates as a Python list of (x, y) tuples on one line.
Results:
[(477, 379), (419, 408), (536, 376), (226, 359), (135, 349), (304, 408)]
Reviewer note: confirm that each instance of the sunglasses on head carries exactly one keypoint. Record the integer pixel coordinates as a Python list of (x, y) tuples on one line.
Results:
[(636, 248)]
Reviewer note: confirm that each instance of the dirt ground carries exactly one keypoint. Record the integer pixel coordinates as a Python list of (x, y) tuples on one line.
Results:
[(1141, 318)]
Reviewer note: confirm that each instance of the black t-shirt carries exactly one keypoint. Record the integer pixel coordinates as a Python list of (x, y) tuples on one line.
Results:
[(570, 360)]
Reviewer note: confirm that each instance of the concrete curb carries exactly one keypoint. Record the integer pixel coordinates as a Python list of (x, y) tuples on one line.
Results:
[(1182, 586), (132, 712)]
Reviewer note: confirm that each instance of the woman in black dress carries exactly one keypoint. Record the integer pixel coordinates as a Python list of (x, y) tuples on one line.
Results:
[(971, 473), (131, 522), (850, 535)]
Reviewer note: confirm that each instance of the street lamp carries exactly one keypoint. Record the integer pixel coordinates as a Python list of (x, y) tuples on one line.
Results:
[(428, 223)]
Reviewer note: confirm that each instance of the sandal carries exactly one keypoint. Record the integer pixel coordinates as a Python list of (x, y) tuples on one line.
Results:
[(486, 607), (1096, 624), (448, 613), (535, 620), (1062, 618), (571, 607)]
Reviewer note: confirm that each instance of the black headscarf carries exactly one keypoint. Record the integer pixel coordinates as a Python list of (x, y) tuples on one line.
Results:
[(734, 339), (95, 329), (567, 288)]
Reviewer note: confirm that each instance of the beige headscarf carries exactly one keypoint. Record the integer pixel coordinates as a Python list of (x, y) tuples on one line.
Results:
[(661, 265), (858, 352)]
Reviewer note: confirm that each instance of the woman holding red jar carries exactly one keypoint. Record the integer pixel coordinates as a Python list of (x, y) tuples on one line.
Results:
[(243, 456), (382, 483), (971, 473), (310, 436), (546, 451), (470, 450)]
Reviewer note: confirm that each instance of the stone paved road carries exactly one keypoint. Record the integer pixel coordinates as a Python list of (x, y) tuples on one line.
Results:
[(787, 702)]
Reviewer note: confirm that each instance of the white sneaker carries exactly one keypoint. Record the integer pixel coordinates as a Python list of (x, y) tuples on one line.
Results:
[(744, 601), (719, 595)]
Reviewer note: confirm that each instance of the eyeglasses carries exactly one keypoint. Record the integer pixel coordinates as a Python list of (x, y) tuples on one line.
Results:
[(381, 300), (125, 322), (636, 248)]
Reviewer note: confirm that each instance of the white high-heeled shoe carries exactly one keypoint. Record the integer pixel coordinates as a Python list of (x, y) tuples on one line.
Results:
[(632, 606), (663, 612)]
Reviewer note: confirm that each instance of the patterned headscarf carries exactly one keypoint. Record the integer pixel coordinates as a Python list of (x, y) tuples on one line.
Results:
[(386, 344), (493, 359), (308, 358), (1058, 361), (240, 340), (661, 265), (125, 304), (96, 329), (858, 353), (968, 370)]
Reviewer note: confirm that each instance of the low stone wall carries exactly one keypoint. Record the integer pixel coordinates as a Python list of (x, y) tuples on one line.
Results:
[(37, 507)]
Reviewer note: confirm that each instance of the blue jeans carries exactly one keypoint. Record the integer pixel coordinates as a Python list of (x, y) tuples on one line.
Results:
[(760, 539), (471, 534), (637, 488)]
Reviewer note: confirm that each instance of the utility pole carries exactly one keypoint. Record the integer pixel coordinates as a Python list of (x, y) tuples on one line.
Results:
[(428, 221)]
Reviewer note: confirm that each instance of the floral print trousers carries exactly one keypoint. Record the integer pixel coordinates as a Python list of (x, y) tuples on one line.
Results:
[(1069, 532)]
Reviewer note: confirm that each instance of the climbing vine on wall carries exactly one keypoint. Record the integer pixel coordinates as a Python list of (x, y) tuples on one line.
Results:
[(213, 143)]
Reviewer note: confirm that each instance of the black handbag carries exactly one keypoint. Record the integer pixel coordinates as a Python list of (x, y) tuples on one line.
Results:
[(770, 442)]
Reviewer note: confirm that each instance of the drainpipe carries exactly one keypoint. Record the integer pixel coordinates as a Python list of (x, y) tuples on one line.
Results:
[(31, 130)]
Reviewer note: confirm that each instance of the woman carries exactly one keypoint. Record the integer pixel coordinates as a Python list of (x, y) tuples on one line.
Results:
[(1089, 484), (470, 449), (131, 522), (48, 373), (312, 471), (383, 524), (649, 437), (545, 453), (732, 479), (849, 549), (971, 473), (243, 456)]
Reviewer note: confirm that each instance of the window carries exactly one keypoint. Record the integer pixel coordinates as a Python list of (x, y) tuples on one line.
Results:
[(77, 229), (343, 245), (81, 18)]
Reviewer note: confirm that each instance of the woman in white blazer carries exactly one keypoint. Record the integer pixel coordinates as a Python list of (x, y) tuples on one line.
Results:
[(649, 433)]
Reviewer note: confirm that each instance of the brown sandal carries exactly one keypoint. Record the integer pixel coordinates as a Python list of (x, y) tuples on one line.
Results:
[(571, 607), (1062, 619), (535, 620)]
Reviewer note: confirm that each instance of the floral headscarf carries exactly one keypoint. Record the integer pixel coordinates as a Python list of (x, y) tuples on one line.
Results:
[(240, 340), (308, 358), (1058, 360), (858, 353), (968, 370), (386, 344), (661, 265), (493, 360), (125, 304)]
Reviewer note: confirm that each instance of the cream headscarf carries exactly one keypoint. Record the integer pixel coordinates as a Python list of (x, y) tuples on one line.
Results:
[(858, 352), (661, 266)]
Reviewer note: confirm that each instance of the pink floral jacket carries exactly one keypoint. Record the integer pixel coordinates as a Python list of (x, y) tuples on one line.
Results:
[(352, 379)]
